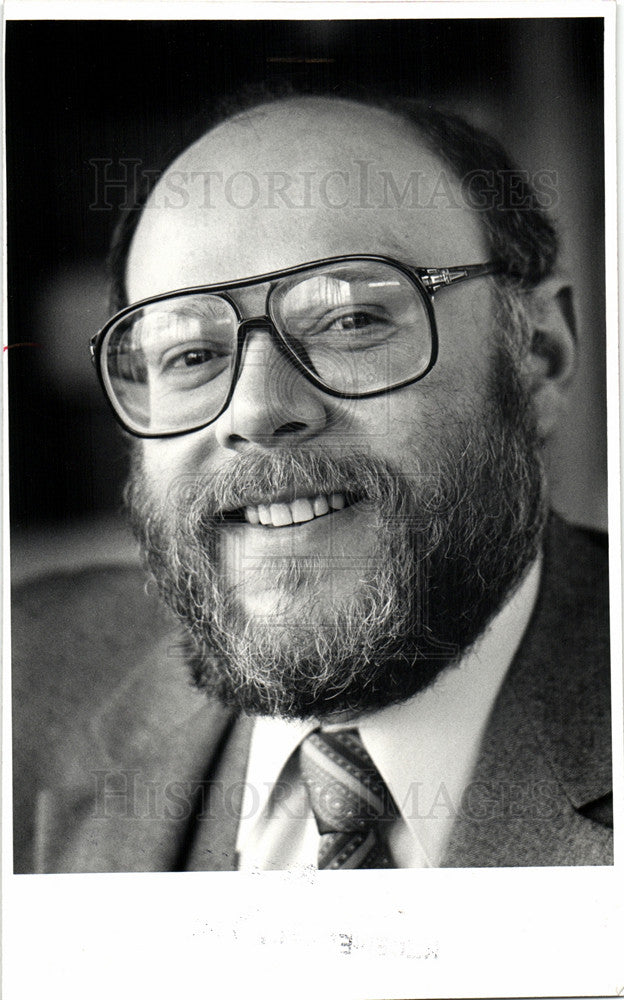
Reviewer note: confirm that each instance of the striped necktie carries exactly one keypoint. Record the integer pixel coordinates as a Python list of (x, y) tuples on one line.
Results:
[(350, 802)]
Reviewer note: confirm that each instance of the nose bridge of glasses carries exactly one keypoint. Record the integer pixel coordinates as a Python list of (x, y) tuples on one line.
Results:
[(259, 343), (261, 346), (251, 304), (255, 324)]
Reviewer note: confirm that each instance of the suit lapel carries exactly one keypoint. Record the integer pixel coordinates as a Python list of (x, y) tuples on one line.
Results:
[(546, 754), (130, 805), (212, 845)]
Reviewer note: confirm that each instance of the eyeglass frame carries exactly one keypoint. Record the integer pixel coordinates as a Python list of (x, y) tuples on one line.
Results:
[(426, 280)]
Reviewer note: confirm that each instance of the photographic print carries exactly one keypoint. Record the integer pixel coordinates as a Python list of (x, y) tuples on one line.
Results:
[(307, 374)]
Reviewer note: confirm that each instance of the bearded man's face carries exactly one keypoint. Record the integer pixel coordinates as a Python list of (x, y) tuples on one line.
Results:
[(414, 512), (316, 632)]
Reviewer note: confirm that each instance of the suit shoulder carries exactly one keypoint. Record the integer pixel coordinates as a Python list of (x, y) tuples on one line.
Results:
[(105, 598), (594, 538), (572, 611), (592, 543), (561, 674), (577, 568), (68, 629), (88, 588), (89, 662)]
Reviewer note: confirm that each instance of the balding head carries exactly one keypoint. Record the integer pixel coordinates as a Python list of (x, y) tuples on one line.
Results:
[(222, 170), (298, 180)]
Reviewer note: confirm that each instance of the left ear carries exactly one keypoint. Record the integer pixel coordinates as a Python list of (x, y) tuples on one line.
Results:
[(551, 358)]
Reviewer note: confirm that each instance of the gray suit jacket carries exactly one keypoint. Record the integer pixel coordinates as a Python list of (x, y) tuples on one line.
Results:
[(120, 765)]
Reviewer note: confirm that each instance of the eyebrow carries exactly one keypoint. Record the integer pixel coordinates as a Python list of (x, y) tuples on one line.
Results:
[(196, 305)]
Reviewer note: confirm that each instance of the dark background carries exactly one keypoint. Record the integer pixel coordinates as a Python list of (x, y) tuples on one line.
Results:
[(131, 90)]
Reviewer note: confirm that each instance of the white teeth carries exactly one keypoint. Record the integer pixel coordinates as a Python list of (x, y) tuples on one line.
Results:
[(301, 510), (336, 501), (278, 515), (252, 515), (320, 505), (264, 512)]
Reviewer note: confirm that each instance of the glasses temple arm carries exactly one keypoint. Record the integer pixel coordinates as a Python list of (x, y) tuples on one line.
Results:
[(434, 278)]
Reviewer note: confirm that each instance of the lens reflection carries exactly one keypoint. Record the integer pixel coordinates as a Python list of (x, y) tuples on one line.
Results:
[(362, 327), (168, 365)]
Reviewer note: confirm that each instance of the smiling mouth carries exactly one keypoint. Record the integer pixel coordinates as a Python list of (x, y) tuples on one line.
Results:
[(285, 513)]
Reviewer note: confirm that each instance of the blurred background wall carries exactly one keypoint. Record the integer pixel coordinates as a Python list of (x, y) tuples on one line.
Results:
[(87, 100)]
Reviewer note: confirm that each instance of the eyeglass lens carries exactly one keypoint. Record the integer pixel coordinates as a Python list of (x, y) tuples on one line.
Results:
[(356, 327)]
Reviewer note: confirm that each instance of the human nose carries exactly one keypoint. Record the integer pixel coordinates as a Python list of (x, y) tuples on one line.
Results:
[(272, 404)]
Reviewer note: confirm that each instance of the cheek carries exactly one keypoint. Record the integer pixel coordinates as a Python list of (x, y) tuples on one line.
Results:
[(394, 425), (410, 426), (167, 461), (465, 322), (406, 423)]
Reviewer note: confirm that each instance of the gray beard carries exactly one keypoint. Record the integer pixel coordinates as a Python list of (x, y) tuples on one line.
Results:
[(452, 541)]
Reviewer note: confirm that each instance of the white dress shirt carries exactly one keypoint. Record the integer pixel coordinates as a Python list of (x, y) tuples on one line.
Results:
[(424, 748)]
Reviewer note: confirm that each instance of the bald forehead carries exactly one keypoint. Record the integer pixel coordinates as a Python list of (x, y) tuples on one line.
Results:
[(319, 130), (298, 180)]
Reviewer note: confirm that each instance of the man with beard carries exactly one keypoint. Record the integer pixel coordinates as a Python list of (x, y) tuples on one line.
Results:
[(337, 397)]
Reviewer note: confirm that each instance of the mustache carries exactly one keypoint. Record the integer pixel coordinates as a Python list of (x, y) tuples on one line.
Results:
[(254, 478)]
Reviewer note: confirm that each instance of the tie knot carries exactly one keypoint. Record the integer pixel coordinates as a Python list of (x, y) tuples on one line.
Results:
[(345, 789)]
